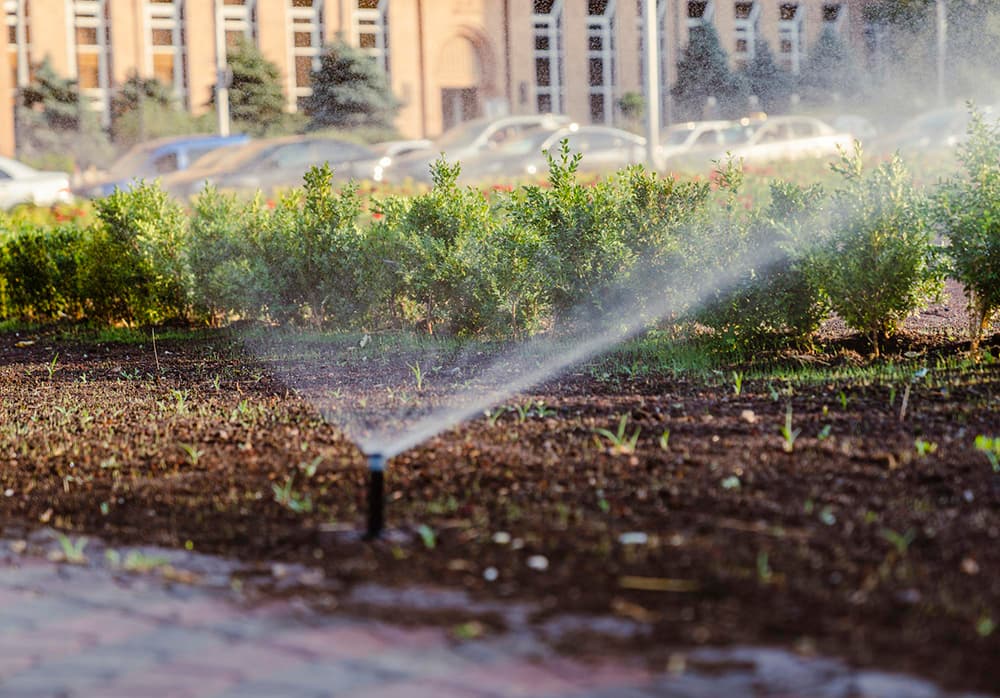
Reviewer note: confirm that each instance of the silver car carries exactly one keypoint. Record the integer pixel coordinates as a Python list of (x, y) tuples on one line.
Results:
[(20, 184), (470, 140)]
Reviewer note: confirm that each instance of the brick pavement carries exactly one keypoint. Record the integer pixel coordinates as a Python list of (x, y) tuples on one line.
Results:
[(71, 631)]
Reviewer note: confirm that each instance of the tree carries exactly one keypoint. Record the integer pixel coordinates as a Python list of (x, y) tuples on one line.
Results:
[(256, 101), (54, 129), (829, 72), (350, 89), (764, 78), (703, 72), (145, 108)]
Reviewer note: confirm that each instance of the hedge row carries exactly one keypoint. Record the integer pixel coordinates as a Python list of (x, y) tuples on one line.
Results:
[(874, 248)]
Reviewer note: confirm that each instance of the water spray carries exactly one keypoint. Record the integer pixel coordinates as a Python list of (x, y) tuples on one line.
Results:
[(376, 495)]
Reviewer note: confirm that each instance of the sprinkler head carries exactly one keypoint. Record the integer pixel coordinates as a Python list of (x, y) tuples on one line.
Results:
[(376, 495)]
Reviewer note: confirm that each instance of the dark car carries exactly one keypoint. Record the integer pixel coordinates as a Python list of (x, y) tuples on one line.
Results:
[(282, 165), (158, 158)]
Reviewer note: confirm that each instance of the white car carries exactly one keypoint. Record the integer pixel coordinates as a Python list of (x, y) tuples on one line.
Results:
[(698, 143), (791, 138), (20, 184)]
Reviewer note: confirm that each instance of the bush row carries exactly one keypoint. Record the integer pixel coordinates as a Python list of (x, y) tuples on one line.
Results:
[(873, 247)]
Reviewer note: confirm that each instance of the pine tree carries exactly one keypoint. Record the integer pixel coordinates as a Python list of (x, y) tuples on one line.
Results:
[(350, 90), (703, 72), (767, 80), (144, 108), (829, 72), (54, 128), (256, 100)]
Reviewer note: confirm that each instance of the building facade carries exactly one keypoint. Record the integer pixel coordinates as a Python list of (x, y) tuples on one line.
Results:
[(447, 60)]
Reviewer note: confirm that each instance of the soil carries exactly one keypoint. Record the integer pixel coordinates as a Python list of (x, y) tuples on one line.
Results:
[(874, 536)]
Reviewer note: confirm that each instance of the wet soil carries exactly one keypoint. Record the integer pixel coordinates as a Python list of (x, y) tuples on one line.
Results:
[(873, 535)]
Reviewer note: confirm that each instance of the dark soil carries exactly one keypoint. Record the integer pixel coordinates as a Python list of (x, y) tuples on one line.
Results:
[(851, 541)]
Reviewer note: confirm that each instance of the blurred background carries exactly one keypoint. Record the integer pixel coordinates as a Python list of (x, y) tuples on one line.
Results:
[(104, 92)]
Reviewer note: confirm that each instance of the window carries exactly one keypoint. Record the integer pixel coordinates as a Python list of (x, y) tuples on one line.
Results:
[(17, 17), (700, 12), (790, 32), (165, 54), (601, 59), (547, 23), (371, 29), (833, 16), (305, 45), (92, 39), (747, 15), (239, 20)]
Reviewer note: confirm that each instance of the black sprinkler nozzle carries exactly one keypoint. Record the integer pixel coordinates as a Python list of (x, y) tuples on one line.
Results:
[(376, 495)]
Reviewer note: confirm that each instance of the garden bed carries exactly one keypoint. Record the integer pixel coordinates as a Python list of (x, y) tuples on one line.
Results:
[(866, 530)]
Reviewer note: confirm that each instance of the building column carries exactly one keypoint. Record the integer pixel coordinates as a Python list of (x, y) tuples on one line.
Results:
[(199, 32), (7, 101)]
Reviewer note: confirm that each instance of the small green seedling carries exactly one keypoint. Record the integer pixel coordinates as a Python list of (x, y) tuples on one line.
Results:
[(52, 365), (665, 440), (72, 550), (427, 536), (824, 433), (620, 442), (418, 375), (990, 446), (787, 433), (900, 541), (764, 571), (842, 396), (294, 501), (924, 447), (737, 383), (192, 451)]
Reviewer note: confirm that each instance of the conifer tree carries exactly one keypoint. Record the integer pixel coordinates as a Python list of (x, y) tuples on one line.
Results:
[(829, 72), (350, 90), (767, 80), (703, 72), (256, 100)]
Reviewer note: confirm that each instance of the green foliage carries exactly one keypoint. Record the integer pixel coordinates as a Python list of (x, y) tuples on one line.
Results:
[(227, 273), (39, 269), (877, 265), (350, 90), (256, 100), (969, 213), (773, 296), (133, 260), (703, 72)]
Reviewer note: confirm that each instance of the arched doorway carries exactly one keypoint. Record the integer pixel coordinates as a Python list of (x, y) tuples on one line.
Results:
[(460, 73)]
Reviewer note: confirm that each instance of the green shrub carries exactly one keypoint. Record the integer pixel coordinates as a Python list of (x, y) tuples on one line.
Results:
[(877, 265), (584, 251), (311, 248), (39, 268), (772, 299), (228, 274), (133, 260), (969, 212)]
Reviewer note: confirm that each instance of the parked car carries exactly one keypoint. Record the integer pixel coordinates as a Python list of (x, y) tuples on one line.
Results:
[(939, 128), (158, 158), (20, 184), (282, 165), (697, 143), (469, 140), (603, 149), (390, 151), (791, 138)]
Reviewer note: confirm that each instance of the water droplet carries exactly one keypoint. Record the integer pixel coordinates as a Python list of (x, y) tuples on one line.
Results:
[(538, 562), (490, 574)]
